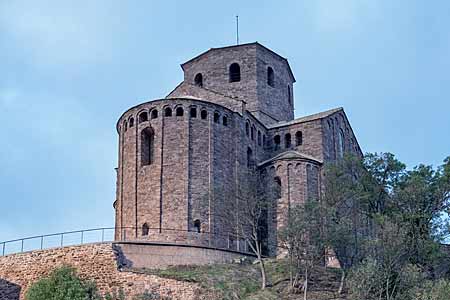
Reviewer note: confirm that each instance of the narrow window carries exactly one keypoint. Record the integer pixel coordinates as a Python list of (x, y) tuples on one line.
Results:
[(125, 126), (277, 189), (225, 121), (154, 114), (289, 94), (147, 146), (298, 138), (179, 112), (259, 138), (277, 141), (198, 80), (341, 143), (252, 133), (264, 140), (145, 229), (143, 117), (270, 77), (247, 128), (287, 140), (204, 114), (250, 161), (235, 72), (168, 112), (198, 226), (216, 117), (131, 122), (193, 112)]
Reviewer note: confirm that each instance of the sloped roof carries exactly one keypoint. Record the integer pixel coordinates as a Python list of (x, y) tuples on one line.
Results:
[(291, 155), (320, 115), (241, 45)]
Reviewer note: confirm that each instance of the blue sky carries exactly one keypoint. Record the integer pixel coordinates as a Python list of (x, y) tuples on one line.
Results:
[(68, 69)]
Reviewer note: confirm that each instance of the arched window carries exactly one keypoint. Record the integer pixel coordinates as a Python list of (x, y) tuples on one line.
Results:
[(250, 161), (287, 140), (154, 114), (216, 117), (198, 226), (247, 128), (143, 117), (179, 111), (204, 114), (225, 121), (341, 143), (259, 138), (252, 133), (277, 141), (277, 189), (147, 146), (289, 94), (145, 229), (167, 112), (125, 126), (193, 112), (270, 77), (235, 72), (198, 80), (131, 122), (298, 138)]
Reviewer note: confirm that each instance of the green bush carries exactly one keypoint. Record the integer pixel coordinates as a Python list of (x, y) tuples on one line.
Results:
[(62, 284), (438, 290)]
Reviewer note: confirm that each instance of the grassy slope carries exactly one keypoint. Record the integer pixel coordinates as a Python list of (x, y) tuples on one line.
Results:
[(237, 281)]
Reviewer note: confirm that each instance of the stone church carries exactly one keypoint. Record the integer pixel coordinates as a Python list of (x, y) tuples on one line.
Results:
[(226, 131)]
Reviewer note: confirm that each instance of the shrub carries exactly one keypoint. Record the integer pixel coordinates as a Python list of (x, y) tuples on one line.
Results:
[(62, 284)]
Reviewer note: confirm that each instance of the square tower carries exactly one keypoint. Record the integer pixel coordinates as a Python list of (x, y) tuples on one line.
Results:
[(249, 72)]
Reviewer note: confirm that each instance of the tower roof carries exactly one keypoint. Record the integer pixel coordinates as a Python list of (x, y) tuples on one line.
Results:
[(256, 44)]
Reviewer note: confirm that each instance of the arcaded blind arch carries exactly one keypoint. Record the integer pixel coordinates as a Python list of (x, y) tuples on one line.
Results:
[(235, 72), (147, 146), (270, 77)]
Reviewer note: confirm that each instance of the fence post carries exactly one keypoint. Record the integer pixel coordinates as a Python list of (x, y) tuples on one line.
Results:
[(103, 235), (4, 246), (42, 242), (62, 239), (22, 247), (82, 235)]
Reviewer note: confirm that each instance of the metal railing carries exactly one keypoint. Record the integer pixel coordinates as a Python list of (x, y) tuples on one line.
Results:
[(107, 234)]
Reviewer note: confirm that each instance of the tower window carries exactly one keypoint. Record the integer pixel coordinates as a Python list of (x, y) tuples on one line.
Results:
[(235, 72), (147, 146), (193, 112), (287, 140), (198, 226), (216, 117), (204, 114), (168, 112), (289, 94), (131, 122), (154, 114), (198, 80), (179, 112), (145, 229), (277, 141), (270, 77), (250, 162), (143, 117), (225, 121), (298, 138)]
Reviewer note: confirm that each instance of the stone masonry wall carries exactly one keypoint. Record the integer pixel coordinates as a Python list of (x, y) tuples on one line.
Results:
[(96, 262)]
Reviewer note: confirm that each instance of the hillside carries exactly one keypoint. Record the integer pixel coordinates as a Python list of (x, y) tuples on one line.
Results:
[(241, 281)]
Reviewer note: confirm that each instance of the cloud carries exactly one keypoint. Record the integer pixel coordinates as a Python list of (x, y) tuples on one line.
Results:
[(60, 32)]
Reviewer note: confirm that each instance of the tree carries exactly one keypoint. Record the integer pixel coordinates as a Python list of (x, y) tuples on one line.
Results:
[(302, 236)]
